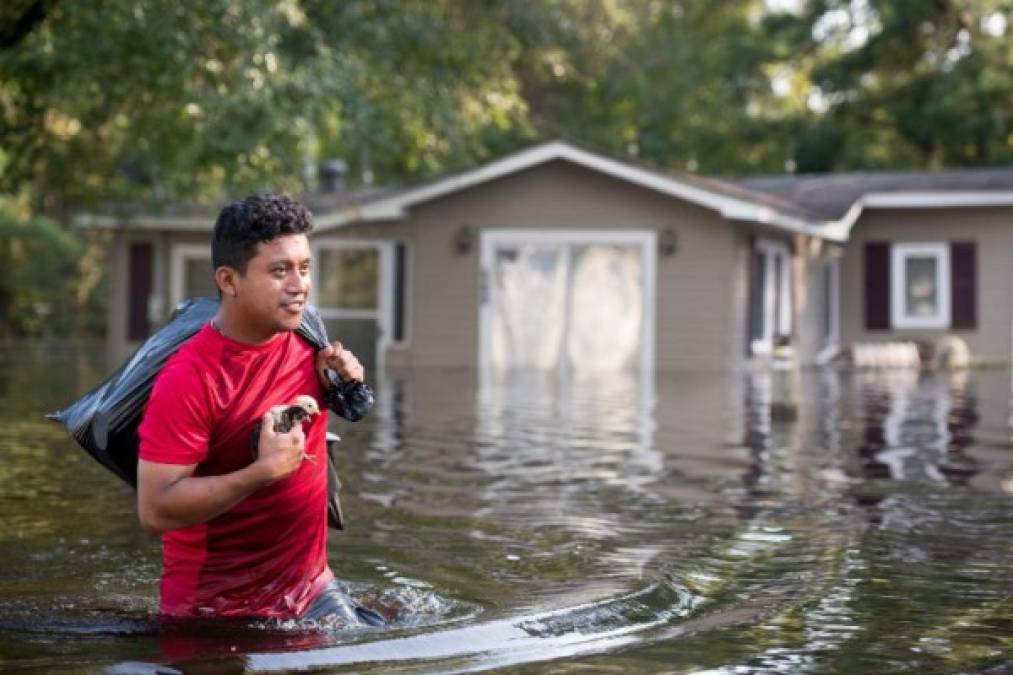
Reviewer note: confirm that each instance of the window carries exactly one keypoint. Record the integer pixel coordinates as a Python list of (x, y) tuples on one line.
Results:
[(349, 278), (770, 299), (920, 285), (192, 275), (358, 286)]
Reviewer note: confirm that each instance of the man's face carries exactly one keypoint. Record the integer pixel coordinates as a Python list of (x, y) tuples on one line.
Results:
[(272, 294)]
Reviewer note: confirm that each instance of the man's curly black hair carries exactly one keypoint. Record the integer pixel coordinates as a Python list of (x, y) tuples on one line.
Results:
[(252, 220)]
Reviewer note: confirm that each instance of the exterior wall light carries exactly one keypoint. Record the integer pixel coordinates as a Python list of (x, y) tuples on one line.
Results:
[(668, 243), (464, 239)]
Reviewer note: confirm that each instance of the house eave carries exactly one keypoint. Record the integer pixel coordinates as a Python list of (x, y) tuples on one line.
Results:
[(732, 208), (175, 223), (396, 207), (840, 230)]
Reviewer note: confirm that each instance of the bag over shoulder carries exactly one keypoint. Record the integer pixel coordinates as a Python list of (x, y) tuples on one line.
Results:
[(105, 420)]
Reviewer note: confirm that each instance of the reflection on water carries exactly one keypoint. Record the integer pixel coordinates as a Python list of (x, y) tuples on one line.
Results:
[(769, 522)]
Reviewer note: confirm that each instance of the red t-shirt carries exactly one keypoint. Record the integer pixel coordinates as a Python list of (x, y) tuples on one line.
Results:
[(267, 555)]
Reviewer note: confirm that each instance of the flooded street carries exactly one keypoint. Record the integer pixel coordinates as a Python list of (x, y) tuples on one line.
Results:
[(825, 522)]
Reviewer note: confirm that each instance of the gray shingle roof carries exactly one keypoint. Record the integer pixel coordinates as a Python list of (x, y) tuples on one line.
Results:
[(316, 202), (811, 197), (830, 196)]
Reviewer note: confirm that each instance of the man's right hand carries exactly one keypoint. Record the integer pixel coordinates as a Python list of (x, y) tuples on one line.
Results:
[(279, 453), (170, 496)]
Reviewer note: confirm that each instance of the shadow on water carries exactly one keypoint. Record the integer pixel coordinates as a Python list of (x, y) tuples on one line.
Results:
[(769, 522)]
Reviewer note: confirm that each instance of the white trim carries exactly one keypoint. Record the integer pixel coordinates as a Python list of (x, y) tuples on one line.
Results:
[(828, 354), (348, 313), (178, 255), (176, 223), (647, 240), (937, 199), (383, 312), (899, 254), (840, 230), (773, 250), (731, 208), (831, 271), (394, 208), (830, 347)]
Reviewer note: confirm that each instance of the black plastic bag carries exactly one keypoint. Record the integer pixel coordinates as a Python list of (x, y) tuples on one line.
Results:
[(105, 420)]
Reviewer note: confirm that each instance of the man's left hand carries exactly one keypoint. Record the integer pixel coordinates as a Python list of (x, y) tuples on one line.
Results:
[(340, 359)]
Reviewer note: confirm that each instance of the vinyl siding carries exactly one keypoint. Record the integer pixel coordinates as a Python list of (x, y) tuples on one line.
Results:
[(991, 229), (699, 320)]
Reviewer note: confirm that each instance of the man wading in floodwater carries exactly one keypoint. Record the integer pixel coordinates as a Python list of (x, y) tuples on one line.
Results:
[(243, 537)]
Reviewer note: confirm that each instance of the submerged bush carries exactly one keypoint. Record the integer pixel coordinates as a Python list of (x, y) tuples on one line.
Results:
[(48, 276)]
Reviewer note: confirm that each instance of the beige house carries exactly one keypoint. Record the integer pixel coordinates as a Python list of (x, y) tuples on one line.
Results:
[(927, 257), (559, 258)]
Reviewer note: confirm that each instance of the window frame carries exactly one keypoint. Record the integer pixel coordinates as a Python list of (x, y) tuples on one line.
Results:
[(899, 255), (776, 293), (493, 239), (383, 314), (179, 254)]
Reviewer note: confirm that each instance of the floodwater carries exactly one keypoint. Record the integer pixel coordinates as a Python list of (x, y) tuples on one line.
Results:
[(777, 522)]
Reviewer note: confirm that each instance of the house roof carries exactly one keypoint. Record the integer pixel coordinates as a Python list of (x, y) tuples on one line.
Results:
[(831, 196), (821, 205), (201, 218), (731, 201)]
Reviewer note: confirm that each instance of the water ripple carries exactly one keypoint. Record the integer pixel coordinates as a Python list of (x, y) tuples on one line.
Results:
[(770, 522)]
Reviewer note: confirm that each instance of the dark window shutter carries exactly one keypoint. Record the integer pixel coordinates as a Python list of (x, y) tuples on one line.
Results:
[(752, 313), (963, 284), (877, 285), (400, 280), (140, 264)]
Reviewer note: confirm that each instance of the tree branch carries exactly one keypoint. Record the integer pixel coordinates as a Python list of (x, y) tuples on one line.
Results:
[(13, 34)]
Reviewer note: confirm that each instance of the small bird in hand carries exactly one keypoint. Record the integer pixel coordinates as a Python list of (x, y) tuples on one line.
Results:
[(285, 418)]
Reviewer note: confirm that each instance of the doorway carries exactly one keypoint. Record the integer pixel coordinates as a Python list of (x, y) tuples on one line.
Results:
[(770, 297)]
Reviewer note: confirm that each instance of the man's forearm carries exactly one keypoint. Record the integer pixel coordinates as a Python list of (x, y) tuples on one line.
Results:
[(198, 499)]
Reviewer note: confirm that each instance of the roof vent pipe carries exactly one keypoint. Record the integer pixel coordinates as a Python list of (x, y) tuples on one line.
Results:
[(332, 175)]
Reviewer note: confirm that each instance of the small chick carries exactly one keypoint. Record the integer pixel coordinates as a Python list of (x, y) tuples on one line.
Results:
[(285, 418)]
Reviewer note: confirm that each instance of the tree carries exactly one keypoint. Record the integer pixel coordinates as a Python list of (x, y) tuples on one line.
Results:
[(677, 84), (46, 273), (162, 103), (155, 100), (904, 84), (159, 103)]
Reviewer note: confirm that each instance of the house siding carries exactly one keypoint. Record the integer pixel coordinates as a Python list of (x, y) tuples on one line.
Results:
[(160, 304), (992, 231), (702, 292), (699, 304)]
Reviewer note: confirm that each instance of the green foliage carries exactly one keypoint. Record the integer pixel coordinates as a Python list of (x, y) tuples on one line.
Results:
[(187, 102), (39, 269), (907, 84), (674, 83), (161, 102)]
